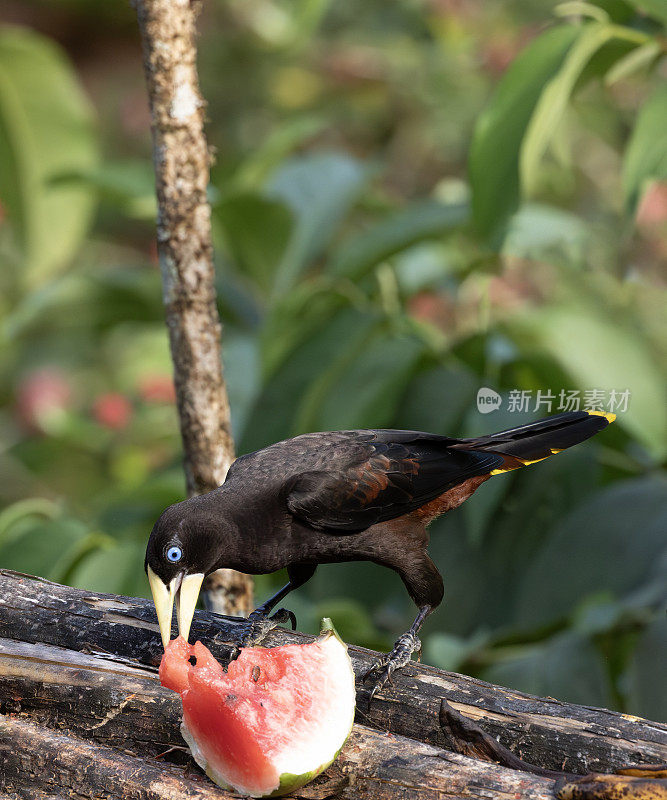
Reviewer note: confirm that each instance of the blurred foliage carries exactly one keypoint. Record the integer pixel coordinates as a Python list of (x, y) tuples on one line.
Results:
[(410, 202)]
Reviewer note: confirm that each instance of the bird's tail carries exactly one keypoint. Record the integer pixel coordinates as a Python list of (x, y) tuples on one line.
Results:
[(538, 440)]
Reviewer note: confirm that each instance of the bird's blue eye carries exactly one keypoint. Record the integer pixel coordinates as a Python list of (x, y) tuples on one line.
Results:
[(174, 554)]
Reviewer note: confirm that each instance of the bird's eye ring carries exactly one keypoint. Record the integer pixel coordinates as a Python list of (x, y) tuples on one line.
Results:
[(174, 554)]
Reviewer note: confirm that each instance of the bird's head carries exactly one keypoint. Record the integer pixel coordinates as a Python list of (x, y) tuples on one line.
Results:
[(181, 551)]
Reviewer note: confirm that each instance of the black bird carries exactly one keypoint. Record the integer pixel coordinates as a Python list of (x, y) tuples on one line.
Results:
[(365, 495)]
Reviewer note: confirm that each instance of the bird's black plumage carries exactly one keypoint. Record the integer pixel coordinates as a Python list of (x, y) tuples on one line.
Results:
[(345, 496), (347, 481)]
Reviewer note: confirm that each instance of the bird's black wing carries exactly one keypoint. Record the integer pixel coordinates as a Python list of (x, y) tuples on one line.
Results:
[(381, 476)]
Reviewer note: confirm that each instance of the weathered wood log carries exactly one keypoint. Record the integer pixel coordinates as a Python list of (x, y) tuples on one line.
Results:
[(35, 758), (542, 731), (77, 722)]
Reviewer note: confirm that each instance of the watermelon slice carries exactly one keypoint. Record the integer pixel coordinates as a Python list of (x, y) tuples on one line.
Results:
[(274, 720)]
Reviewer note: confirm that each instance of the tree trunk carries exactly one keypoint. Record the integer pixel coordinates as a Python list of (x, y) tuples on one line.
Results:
[(181, 160), (84, 663)]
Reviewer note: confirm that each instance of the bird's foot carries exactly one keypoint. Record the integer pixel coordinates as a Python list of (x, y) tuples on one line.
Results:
[(258, 625), (405, 646)]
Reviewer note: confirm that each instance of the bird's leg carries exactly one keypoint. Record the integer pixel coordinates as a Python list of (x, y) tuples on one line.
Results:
[(405, 646), (259, 623)]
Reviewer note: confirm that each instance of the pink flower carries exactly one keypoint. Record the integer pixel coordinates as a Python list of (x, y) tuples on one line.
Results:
[(653, 205), (43, 397), (157, 389)]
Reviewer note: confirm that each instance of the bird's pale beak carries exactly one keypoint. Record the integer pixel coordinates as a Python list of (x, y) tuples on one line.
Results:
[(184, 589)]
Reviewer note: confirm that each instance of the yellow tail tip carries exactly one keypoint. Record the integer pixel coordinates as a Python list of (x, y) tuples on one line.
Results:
[(609, 417)]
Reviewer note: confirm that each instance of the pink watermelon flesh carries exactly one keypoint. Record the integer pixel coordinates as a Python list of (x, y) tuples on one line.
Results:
[(273, 721)]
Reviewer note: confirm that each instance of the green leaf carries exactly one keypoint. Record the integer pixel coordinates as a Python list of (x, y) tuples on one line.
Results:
[(306, 18), (135, 349), (646, 155), (533, 503), (481, 514), (607, 545), (654, 8), (275, 412), (415, 223), (127, 184), (633, 62), (428, 266), (581, 9), (566, 667), (466, 574), (319, 189), (258, 165), (450, 652), (646, 674), (437, 399), (241, 362), (618, 10), (117, 568), (553, 100), (46, 130), (494, 155), (597, 614), (353, 621), (22, 511), (372, 586), (540, 232), (45, 547), (363, 389), (297, 316), (257, 230), (652, 592), (607, 353)]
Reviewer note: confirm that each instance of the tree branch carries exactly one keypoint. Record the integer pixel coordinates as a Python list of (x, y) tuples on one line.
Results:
[(181, 161)]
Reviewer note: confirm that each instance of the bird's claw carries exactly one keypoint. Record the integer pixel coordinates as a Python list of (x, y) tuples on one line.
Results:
[(405, 646), (258, 625), (283, 615)]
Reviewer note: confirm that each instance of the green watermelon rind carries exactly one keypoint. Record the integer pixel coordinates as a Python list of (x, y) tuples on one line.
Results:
[(288, 782)]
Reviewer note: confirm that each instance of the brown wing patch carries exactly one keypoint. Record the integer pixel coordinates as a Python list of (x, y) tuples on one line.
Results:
[(388, 480), (370, 478), (450, 499), (373, 476)]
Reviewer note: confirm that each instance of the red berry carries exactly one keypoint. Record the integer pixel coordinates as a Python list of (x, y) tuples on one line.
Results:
[(113, 410)]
